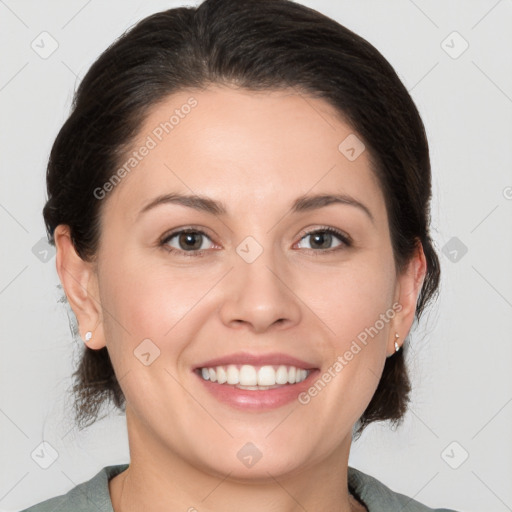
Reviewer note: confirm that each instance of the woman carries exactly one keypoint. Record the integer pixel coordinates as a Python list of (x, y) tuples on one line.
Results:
[(240, 206)]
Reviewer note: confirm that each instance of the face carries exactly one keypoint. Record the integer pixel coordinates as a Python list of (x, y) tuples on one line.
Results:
[(250, 279)]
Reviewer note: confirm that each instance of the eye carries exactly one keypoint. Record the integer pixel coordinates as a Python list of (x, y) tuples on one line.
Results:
[(192, 241), (323, 239)]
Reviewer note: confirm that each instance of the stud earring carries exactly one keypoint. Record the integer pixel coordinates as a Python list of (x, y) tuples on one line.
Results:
[(88, 335), (397, 346)]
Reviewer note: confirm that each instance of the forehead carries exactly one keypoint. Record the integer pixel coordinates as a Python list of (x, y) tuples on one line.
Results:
[(244, 148)]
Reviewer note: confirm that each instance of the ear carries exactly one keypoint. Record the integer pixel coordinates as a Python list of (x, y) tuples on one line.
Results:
[(409, 284), (79, 280)]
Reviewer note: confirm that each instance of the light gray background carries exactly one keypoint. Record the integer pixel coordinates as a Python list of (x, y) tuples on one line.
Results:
[(460, 359)]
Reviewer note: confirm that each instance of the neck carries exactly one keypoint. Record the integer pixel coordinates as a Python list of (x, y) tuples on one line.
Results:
[(160, 480)]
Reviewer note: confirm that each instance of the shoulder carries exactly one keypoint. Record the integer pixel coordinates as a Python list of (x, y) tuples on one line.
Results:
[(378, 497), (90, 495), (373, 493)]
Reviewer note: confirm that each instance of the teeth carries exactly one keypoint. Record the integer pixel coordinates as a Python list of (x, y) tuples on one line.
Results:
[(252, 377), (282, 375), (248, 376), (233, 375), (221, 375), (266, 376)]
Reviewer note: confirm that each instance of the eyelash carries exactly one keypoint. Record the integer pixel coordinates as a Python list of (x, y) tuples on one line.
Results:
[(345, 239)]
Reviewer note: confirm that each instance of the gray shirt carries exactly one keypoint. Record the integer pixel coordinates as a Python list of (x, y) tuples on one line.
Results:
[(93, 495)]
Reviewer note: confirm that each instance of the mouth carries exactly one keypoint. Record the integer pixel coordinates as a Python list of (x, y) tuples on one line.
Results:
[(256, 382), (254, 378)]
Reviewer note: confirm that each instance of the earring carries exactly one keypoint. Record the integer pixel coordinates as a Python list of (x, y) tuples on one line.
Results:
[(88, 335), (397, 346)]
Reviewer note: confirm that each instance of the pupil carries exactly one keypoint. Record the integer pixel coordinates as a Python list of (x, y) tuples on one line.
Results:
[(188, 240), (325, 238)]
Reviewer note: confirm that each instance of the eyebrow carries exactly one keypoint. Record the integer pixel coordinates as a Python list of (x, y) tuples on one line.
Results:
[(302, 204)]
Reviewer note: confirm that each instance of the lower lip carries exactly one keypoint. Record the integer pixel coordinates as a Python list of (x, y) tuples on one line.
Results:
[(247, 399)]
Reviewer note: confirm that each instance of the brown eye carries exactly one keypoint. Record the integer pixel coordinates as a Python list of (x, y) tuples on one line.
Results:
[(186, 241), (323, 239)]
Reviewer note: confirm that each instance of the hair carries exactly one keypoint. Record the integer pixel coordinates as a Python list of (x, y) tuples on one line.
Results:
[(255, 45)]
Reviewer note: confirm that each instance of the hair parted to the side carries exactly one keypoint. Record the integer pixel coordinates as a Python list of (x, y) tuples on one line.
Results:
[(255, 45)]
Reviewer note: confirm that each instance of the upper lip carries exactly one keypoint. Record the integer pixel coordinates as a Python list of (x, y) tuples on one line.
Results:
[(257, 360)]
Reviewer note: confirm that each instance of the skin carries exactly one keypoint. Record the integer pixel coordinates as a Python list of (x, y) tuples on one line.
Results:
[(256, 152)]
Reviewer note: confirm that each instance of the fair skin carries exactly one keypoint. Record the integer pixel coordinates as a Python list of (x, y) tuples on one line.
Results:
[(256, 152)]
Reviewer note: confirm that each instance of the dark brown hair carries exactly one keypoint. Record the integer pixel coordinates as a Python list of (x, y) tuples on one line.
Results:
[(255, 45)]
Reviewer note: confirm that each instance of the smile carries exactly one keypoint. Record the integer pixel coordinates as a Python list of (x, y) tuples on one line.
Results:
[(256, 382), (254, 377)]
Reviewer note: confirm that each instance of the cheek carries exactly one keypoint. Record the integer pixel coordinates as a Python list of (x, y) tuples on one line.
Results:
[(356, 304), (142, 301), (352, 299)]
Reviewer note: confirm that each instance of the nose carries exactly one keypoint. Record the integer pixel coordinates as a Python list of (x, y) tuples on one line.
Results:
[(260, 296)]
